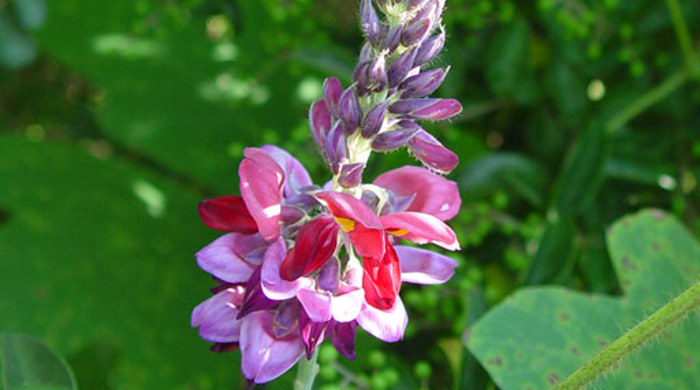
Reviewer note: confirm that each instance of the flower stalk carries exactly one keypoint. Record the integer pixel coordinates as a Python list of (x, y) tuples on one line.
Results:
[(641, 334)]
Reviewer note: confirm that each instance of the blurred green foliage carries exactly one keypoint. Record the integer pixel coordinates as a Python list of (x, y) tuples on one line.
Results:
[(576, 113)]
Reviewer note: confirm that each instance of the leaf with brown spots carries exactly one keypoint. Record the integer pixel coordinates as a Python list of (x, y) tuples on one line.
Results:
[(558, 329)]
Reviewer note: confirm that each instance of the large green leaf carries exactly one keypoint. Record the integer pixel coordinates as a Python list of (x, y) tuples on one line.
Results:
[(539, 336), (170, 92), (27, 363), (96, 259)]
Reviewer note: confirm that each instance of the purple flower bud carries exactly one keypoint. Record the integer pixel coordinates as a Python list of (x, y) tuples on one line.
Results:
[(351, 175), (336, 147), (394, 139), (349, 111), (430, 48), (401, 67), (374, 120), (432, 153), (332, 89), (391, 38), (420, 26), (427, 109), (376, 74), (320, 122), (370, 23), (423, 84), (361, 77), (366, 53), (413, 5)]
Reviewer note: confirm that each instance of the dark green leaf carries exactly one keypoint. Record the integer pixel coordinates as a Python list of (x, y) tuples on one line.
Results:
[(554, 254)]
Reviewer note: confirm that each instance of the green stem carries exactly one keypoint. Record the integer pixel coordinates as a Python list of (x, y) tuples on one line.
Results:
[(647, 100), (306, 372), (642, 333), (683, 37)]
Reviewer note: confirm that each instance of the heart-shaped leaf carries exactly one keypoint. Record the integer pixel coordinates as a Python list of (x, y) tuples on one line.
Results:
[(539, 336)]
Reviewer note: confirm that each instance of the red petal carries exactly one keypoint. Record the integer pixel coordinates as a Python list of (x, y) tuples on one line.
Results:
[(315, 244), (228, 214), (382, 279)]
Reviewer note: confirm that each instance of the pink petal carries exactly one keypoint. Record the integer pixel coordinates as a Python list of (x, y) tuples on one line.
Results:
[(433, 194), (273, 286), (222, 258), (227, 214), (423, 266), (346, 307), (216, 317), (386, 325), (295, 175), (421, 229), (317, 305), (261, 188), (263, 356)]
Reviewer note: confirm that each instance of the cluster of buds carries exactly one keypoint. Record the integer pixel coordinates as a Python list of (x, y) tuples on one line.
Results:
[(300, 263), (378, 112)]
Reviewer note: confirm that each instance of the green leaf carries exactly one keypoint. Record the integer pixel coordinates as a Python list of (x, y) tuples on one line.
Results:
[(554, 253), (96, 258), (538, 336), (509, 67), (510, 171), (27, 363)]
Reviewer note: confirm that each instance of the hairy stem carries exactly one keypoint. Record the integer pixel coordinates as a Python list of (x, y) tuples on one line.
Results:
[(647, 100), (306, 372), (642, 333), (683, 36)]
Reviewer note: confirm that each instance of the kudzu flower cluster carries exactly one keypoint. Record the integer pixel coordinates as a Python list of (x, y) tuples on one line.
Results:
[(301, 263)]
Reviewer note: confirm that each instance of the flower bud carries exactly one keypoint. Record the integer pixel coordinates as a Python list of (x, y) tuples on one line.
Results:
[(374, 120), (401, 67), (332, 89), (420, 26), (336, 147), (430, 48), (391, 38), (432, 153), (414, 5), (349, 111), (370, 23), (427, 109), (351, 175), (423, 84), (320, 122), (394, 139), (361, 77)]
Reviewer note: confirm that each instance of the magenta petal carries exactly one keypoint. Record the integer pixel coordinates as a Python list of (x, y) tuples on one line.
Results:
[(224, 259), (216, 317), (343, 338), (433, 194), (227, 214), (421, 229), (346, 307), (386, 325), (295, 175), (263, 356), (423, 266), (273, 286), (317, 305), (261, 188)]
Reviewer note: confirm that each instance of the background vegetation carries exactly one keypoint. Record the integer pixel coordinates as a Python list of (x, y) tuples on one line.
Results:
[(117, 117)]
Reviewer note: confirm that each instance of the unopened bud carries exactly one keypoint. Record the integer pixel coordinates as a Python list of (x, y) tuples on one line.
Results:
[(320, 122), (336, 147), (427, 109), (391, 38), (332, 89), (370, 23), (401, 67), (430, 48), (374, 120), (351, 175), (423, 84), (395, 139), (349, 111), (432, 153)]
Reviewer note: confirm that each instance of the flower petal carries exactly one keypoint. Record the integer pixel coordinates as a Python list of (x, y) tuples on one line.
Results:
[(227, 214), (315, 244), (264, 357), (312, 333), (433, 194), (261, 188), (317, 305), (273, 286), (225, 257), (346, 307), (216, 317), (382, 279), (423, 266), (386, 325), (420, 228), (343, 338), (295, 175)]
